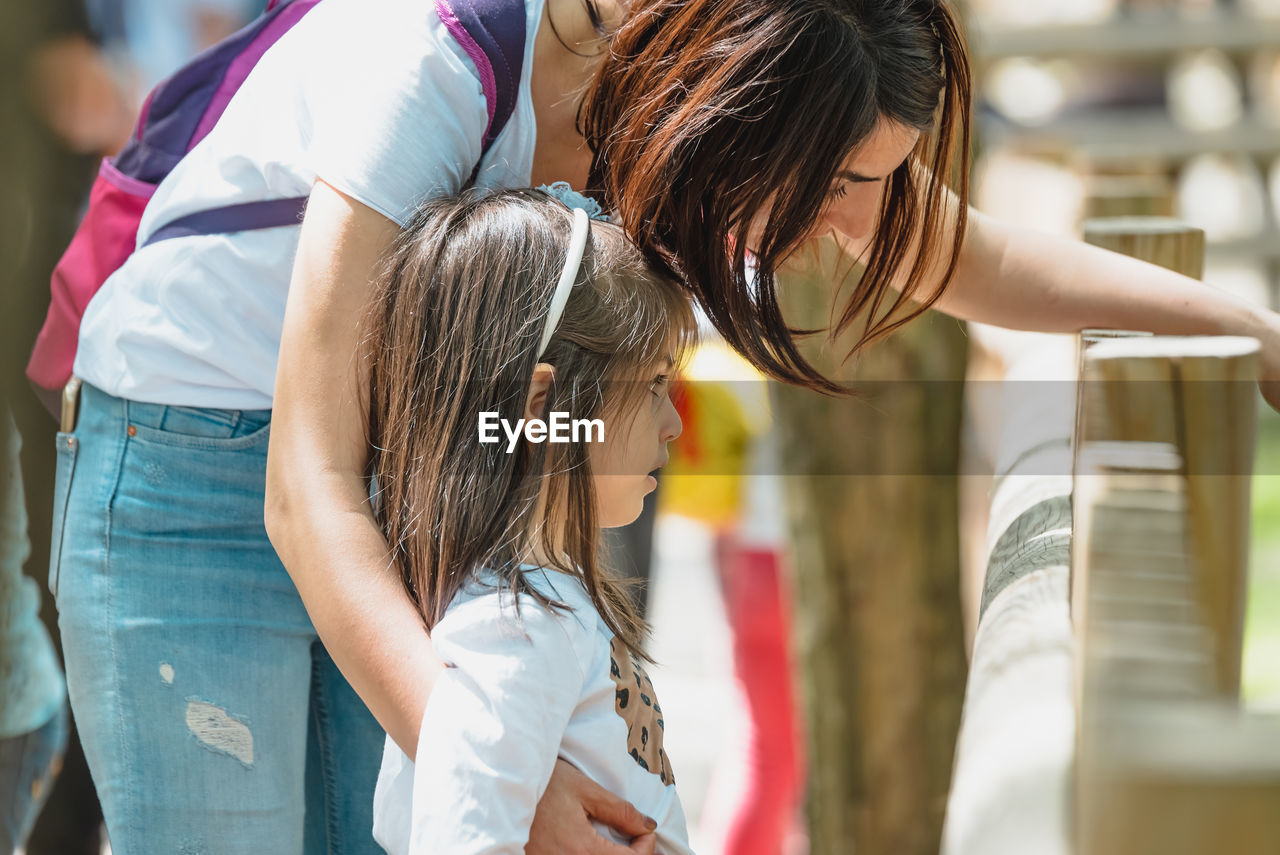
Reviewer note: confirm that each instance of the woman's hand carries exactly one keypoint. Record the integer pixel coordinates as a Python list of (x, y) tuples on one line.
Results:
[(1268, 332), (562, 824)]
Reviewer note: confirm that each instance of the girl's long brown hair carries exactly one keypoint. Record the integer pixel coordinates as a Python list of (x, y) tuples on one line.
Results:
[(708, 113), (453, 331)]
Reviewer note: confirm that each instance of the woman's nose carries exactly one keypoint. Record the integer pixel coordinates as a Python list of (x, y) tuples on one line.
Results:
[(855, 215)]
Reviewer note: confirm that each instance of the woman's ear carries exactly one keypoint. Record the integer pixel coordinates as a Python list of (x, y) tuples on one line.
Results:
[(544, 374)]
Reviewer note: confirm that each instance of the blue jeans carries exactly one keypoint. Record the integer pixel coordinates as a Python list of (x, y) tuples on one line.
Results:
[(211, 715), (29, 764)]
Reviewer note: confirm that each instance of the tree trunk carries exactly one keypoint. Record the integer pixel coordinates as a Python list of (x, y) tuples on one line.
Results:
[(872, 492)]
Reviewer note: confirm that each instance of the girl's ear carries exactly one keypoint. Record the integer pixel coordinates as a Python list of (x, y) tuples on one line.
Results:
[(544, 374)]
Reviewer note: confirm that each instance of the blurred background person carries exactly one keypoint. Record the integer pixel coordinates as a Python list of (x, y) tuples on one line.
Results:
[(59, 110), (33, 698), (147, 40)]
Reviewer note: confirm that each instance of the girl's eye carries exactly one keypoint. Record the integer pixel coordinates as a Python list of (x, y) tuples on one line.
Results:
[(839, 191), (659, 385)]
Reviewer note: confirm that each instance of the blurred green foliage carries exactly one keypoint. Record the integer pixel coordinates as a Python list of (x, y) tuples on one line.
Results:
[(1262, 629)]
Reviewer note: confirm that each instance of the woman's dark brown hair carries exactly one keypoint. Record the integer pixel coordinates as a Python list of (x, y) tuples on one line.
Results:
[(708, 113), (452, 332)]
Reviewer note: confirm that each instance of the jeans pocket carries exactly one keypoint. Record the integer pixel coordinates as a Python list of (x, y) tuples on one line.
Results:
[(68, 450), (200, 429)]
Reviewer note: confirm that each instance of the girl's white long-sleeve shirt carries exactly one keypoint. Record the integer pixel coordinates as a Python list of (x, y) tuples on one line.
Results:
[(518, 693)]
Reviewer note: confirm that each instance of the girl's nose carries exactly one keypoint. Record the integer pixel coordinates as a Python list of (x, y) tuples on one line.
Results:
[(672, 426)]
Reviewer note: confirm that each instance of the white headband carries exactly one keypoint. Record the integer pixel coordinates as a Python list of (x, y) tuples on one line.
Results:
[(577, 245)]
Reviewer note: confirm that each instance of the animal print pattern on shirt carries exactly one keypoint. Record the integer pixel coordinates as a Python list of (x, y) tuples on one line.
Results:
[(636, 702)]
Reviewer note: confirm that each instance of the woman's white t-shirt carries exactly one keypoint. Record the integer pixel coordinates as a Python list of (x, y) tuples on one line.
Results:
[(372, 96), (517, 694)]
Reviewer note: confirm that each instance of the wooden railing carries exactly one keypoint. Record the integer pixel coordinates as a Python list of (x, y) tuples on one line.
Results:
[(1101, 714)]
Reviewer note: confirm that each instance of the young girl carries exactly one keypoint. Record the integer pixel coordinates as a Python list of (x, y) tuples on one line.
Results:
[(497, 307)]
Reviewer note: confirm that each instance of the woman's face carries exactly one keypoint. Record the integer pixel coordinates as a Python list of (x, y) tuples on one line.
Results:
[(634, 446), (853, 202)]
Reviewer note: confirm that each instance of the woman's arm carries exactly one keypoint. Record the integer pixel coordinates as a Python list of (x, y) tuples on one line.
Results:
[(319, 520), (1021, 279), (317, 509)]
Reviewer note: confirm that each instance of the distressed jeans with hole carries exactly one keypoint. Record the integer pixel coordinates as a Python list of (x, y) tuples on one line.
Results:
[(212, 718)]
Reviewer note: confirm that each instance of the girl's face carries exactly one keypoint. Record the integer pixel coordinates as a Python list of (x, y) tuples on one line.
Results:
[(634, 446)]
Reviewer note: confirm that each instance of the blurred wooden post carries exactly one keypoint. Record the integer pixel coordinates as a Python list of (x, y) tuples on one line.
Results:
[(1164, 765), (1185, 779), (1211, 421), (1165, 242), (1199, 395), (1169, 243), (1165, 762), (1128, 196), (1134, 600), (873, 502)]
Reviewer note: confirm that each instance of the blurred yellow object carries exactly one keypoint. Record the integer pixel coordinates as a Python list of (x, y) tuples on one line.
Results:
[(723, 404)]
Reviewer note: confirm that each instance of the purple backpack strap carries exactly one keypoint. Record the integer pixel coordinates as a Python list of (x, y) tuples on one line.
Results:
[(491, 32), (182, 110), (245, 217)]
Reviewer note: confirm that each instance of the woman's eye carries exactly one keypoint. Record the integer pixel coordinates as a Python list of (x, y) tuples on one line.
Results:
[(659, 385), (839, 191)]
